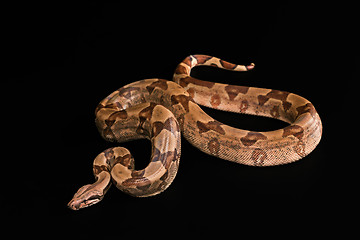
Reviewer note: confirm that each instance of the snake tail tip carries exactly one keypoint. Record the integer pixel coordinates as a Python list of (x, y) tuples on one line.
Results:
[(251, 66)]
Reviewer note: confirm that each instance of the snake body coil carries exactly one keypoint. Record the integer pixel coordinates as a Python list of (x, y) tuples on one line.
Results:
[(160, 110)]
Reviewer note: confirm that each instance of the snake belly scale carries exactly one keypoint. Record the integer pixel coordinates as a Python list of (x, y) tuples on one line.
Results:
[(161, 110)]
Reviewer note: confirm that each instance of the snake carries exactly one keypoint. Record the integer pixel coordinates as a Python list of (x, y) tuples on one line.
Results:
[(161, 111)]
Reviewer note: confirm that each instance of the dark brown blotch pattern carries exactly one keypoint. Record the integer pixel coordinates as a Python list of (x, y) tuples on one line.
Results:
[(109, 122), (307, 108), (212, 125), (201, 59), (122, 114), (181, 99), (227, 65), (144, 116), (294, 130), (187, 60), (116, 106), (162, 84), (170, 124), (165, 158), (184, 82), (125, 161), (138, 173), (109, 154), (180, 69), (98, 169), (251, 138), (274, 112), (233, 91), (275, 94)]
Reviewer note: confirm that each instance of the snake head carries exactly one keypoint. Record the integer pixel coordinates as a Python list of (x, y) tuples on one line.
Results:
[(86, 196)]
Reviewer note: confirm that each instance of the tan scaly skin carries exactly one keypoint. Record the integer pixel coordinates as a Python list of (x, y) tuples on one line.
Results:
[(159, 110)]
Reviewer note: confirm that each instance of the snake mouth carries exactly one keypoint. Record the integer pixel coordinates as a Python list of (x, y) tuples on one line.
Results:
[(76, 204)]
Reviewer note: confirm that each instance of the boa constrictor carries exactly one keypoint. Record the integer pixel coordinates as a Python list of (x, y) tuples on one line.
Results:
[(160, 110)]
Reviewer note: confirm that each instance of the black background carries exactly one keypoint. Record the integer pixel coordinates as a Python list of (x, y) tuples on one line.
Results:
[(63, 58)]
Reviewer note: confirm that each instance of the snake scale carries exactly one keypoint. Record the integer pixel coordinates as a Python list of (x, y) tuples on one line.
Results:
[(161, 110)]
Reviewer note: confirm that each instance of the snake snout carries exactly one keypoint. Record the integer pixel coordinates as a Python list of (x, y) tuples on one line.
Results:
[(73, 205)]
